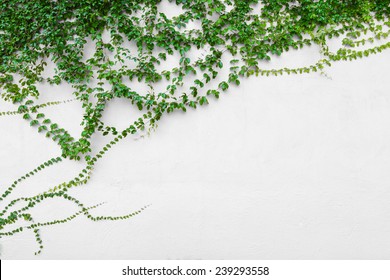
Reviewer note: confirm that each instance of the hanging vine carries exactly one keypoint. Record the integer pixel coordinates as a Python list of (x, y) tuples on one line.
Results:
[(134, 41)]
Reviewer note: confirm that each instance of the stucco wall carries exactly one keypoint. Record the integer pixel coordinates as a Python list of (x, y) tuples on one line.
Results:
[(294, 167)]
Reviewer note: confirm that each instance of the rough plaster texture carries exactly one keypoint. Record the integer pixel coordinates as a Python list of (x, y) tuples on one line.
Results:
[(294, 167)]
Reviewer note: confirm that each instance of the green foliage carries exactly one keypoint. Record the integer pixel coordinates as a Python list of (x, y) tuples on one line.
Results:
[(34, 33)]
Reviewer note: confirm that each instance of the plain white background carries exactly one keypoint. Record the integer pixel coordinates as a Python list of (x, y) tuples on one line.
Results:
[(292, 167)]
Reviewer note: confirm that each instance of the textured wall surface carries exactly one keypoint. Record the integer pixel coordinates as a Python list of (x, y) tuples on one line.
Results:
[(294, 167)]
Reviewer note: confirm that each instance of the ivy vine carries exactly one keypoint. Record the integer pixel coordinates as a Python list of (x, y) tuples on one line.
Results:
[(133, 41)]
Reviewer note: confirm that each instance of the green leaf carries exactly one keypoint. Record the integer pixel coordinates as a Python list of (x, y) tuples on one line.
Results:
[(224, 86), (203, 100)]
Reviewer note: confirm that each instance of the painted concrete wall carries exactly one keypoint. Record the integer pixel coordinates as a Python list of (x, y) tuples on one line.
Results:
[(294, 167)]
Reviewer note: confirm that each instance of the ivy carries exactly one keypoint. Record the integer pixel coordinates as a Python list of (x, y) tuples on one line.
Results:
[(234, 37)]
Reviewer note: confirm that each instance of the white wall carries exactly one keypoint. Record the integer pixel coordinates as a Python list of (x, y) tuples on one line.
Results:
[(293, 167)]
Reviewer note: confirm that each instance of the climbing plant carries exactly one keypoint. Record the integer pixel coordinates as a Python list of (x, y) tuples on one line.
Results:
[(182, 60)]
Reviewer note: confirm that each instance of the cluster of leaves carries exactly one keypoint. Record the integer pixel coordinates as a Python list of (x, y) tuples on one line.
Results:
[(133, 42)]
